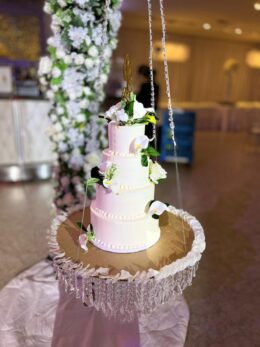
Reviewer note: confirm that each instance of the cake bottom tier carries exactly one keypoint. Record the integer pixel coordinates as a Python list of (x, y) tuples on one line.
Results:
[(124, 236)]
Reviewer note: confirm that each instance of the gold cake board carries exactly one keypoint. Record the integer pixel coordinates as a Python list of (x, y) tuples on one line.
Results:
[(175, 242)]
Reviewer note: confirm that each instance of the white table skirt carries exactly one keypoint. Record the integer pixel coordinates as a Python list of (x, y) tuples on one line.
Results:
[(29, 302)]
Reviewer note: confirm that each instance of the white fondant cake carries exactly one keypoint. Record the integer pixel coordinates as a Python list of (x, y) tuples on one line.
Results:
[(124, 216), (120, 219)]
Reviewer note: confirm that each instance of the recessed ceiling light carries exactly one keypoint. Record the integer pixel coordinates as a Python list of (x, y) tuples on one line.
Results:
[(238, 31), (257, 6), (206, 26)]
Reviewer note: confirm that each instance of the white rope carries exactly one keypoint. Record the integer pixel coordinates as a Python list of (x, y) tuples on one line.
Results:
[(149, 6), (170, 109), (166, 73)]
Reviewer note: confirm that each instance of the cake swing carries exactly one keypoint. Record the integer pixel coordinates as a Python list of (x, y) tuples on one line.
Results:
[(126, 253)]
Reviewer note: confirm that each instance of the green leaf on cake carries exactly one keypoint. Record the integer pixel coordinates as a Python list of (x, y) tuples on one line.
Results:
[(144, 160), (91, 191), (152, 152), (92, 181), (82, 226), (129, 109), (91, 235)]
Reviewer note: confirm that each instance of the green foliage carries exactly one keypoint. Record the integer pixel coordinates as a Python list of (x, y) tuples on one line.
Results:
[(92, 181), (77, 22), (147, 153), (60, 98), (144, 160), (91, 235), (52, 51), (67, 18), (61, 65), (56, 81), (129, 109), (82, 226), (152, 152), (110, 172)]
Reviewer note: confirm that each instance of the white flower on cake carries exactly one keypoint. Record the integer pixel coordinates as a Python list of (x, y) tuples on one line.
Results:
[(157, 208), (140, 111), (121, 116), (108, 170), (139, 143), (105, 166), (112, 185), (83, 240), (110, 114), (88, 236), (156, 172)]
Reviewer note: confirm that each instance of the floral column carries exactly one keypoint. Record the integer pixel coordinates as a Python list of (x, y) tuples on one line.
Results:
[(73, 77)]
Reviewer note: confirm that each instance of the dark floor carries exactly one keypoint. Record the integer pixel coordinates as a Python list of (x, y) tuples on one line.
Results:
[(222, 190)]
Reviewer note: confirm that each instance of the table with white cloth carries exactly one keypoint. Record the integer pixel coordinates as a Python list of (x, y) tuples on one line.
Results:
[(119, 300), (214, 116)]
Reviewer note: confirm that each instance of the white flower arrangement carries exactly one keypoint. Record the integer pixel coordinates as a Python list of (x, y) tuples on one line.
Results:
[(130, 112), (156, 172), (73, 77)]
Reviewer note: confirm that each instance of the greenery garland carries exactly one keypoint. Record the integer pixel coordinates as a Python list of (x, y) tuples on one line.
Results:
[(73, 77)]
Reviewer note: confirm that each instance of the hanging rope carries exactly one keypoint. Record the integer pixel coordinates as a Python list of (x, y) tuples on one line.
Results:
[(166, 73), (170, 110), (149, 6)]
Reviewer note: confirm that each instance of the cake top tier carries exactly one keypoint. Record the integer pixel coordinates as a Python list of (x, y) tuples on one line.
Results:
[(122, 139), (127, 120)]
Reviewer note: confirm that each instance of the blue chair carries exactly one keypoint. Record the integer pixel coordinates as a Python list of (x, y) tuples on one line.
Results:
[(184, 134)]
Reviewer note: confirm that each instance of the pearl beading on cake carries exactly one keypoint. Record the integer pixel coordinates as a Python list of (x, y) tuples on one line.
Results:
[(111, 216), (108, 246), (128, 188), (133, 188), (119, 154)]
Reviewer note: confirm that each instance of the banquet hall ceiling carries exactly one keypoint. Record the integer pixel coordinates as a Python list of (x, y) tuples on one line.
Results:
[(188, 16)]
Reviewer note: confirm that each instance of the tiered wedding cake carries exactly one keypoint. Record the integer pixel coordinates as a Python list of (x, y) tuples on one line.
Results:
[(124, 216)]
